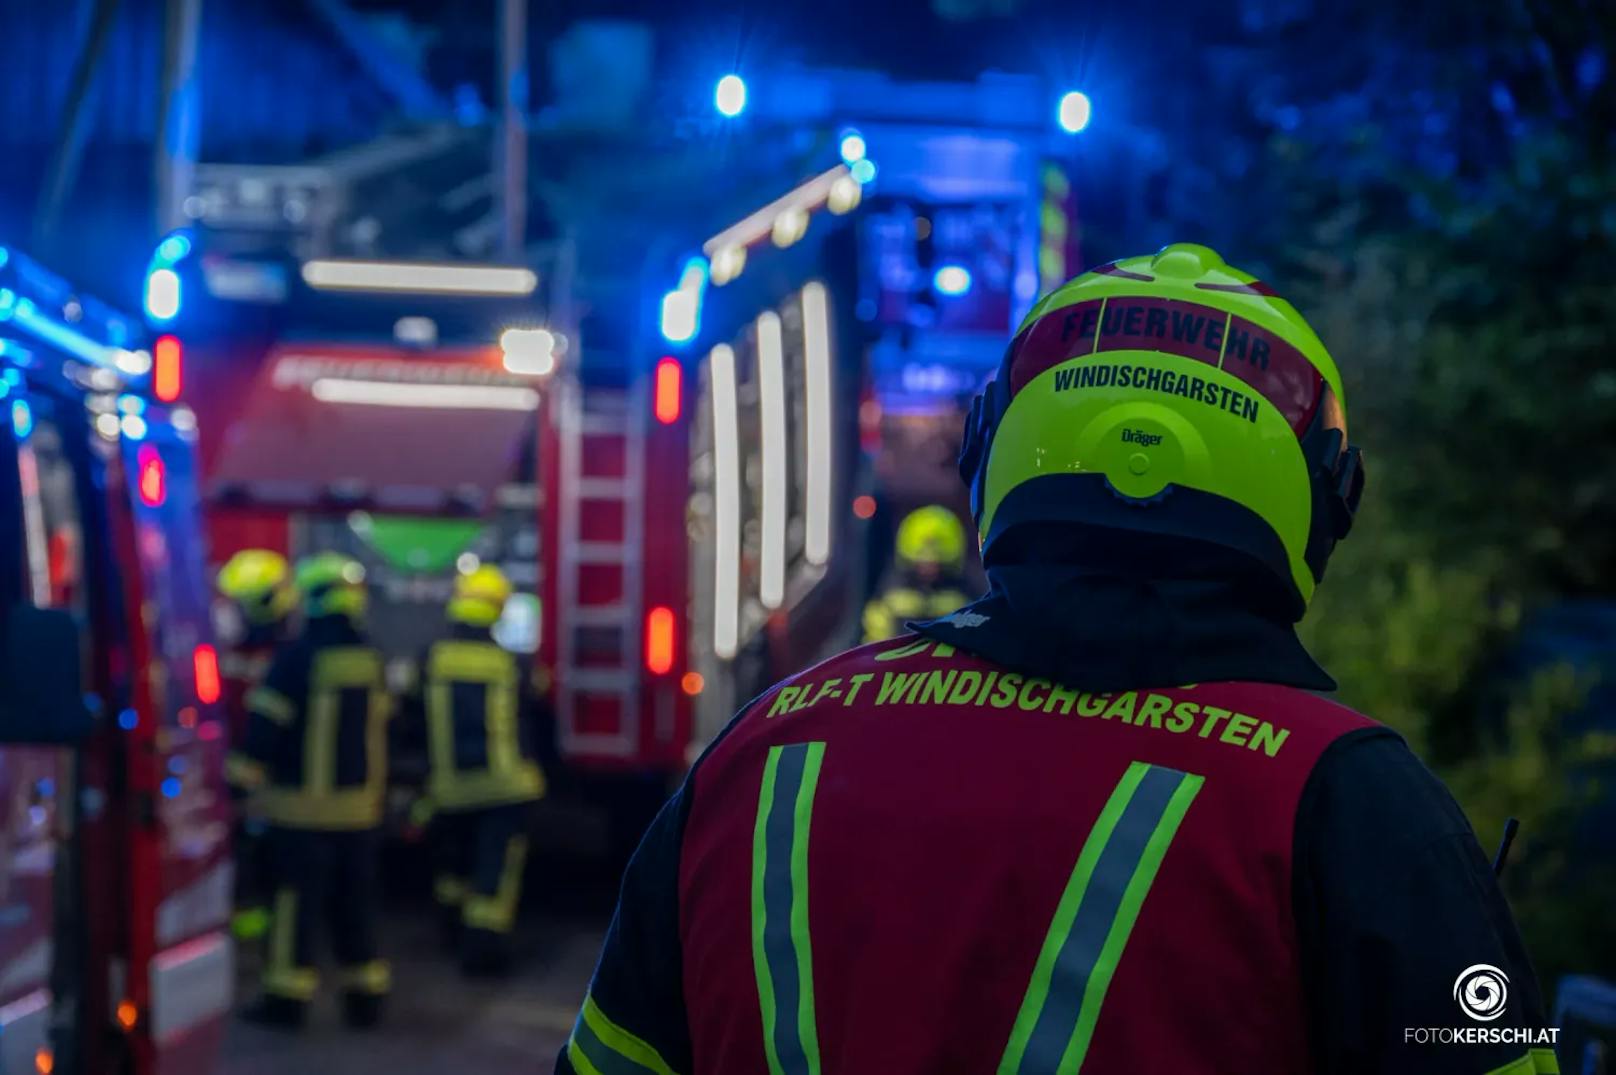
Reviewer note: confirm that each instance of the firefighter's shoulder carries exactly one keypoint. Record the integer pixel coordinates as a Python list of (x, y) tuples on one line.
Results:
[(843, 681), (916, 671), (814, 698)]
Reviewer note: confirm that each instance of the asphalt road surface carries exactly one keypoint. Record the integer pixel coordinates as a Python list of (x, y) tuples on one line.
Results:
[(437, 1021)]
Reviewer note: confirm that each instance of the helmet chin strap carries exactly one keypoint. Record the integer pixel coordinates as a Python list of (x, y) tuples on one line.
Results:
[(1337, 473), (987, 408), (980, 425), (1348, 487), (973, 446)]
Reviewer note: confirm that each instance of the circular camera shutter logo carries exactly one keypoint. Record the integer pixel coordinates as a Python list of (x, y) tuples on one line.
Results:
[(1482, 991)]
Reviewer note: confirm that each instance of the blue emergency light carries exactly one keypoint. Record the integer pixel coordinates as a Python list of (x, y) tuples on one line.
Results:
[(729, 96), (162, 294), (63, 337), (44, 309), (1075, 110), (173, 248), (951, 280), (22, 419), (681, 307), (164, 290)]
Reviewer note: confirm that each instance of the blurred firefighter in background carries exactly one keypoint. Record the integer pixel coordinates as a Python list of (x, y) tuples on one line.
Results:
[(929, 570), (484, 736), (315, 753), (258, 584)]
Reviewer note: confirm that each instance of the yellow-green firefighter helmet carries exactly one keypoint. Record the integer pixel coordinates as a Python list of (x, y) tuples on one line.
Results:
[(931, 535), (332, 585), (479, 596), (1170, 394), (259, 582)]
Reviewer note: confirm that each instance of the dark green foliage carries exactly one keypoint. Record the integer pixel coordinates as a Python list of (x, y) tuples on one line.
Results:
[(1436, 190)]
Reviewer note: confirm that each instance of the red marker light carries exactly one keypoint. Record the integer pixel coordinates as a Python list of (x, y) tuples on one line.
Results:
[(669, 378), (205, 660), (869, 420), (659, 640), (864, 506), (168, 374), (153, 481)]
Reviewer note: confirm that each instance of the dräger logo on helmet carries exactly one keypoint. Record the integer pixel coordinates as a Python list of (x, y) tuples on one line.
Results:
[(1137, 436)]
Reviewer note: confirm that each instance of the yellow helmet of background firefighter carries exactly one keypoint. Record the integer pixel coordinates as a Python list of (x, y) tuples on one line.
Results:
[(332, 585), (259, 582), (931, 535), (1172, 395), (479, 596)]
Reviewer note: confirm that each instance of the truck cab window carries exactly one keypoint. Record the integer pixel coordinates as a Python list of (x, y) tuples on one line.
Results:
[(53, 534)]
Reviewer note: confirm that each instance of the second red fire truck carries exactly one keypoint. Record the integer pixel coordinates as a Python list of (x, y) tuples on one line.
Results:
[(677, 467), (115, 876)]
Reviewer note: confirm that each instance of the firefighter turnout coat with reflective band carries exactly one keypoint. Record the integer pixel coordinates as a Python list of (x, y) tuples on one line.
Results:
[(316, 742), (1037, 886), (479, 724), (912, 860)]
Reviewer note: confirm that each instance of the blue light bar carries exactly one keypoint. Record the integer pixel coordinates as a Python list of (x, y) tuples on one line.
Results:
[(50, 315), (58, 335)]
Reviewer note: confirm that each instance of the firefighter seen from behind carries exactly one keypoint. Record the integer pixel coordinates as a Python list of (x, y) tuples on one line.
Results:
[(481, 724), (315, 756)]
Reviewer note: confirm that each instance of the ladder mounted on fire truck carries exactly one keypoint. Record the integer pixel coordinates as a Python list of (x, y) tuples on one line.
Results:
[(600, 448)]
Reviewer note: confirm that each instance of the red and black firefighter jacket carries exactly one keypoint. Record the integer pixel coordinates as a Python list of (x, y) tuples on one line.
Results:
[(315, 748), (936, 854)]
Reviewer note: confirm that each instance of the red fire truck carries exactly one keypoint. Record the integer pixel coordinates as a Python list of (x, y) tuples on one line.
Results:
[(115, 877), (673, 451), (681, 533)]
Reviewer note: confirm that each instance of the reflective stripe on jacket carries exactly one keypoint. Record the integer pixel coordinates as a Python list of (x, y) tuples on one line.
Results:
[(1065, 848), (475, 702), (317, 731)]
